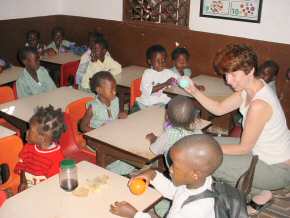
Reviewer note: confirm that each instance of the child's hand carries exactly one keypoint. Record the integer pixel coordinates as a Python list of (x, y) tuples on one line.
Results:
[(123, 209), (171, 81), (151, 137), (22, 187), (146, 175), (122, 115)]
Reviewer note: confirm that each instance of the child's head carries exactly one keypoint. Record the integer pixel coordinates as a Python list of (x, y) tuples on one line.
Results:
[(30, 58), (99, 50), (93, 37), (156, 57), (32, 38), (104, 85), (268, 70), (180, 57), (57, 35), (193, 158), (181, 112), (46, 126)]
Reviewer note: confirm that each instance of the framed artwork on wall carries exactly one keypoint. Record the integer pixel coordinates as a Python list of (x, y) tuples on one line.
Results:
[(241, 10)]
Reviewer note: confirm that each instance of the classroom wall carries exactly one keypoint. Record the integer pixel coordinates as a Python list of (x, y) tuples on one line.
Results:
[(11, 9), (274, 26)]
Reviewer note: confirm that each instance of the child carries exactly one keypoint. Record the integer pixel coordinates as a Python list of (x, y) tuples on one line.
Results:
[(155, 79), (34, 79), (99, 61), (86, 57), (193, 160), (4, 64), (33, 41), (180, 58), (180, 114), (41, 156), (59, 44), (268, 72), (105, 107)]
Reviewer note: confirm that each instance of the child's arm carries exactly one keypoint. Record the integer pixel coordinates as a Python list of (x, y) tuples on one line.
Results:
[(85, 121), (23, 182), (158, 87)]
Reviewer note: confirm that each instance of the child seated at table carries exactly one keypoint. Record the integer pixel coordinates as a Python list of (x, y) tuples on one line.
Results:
[(99, 61), (34, 78), (59, 44), (193, 159), (180, 116), (180, 57), (86, 57), (4, 64), (156, 78), (41, 156), (33, 41), (268, 71)]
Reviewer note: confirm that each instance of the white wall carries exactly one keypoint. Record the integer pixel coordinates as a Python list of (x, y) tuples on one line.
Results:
[(274, 26), (11, 9), (103, 9)]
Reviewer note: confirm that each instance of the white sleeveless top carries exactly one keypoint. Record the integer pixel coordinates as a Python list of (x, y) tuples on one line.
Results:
[(273, 145)]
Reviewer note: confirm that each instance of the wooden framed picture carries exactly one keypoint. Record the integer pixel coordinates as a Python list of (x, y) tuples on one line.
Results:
[(241, 10)]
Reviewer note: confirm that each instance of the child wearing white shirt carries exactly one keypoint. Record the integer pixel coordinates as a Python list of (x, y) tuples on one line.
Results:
[(155, 79), (193, 160)]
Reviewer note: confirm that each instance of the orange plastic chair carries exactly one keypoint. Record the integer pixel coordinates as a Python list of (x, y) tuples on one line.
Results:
[(77, 110), (6, 94), (68, 72), (135, 91), (15, 90), (9, 150), (70, 148)]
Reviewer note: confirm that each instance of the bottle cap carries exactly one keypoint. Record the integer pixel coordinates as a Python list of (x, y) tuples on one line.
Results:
[(67, 164)]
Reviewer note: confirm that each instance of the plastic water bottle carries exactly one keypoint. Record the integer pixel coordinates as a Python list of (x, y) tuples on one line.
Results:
[(68, 178)]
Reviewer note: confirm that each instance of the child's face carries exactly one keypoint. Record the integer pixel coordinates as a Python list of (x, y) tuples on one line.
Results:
[(107, 90), (32, 40), (267, 75), (158, 61), (57, 38), (181, 62), (34, 136), (98, 53), (32, 62)]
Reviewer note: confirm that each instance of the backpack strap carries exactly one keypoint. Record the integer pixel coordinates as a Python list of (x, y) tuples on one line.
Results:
[(206, 194)]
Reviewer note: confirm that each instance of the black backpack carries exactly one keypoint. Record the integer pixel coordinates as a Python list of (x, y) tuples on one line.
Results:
[(229, 201)]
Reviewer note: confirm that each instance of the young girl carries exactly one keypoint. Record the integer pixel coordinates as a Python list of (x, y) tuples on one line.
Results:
[(99, 61), (33, 41), (268, 71), (155, 79), (41, 156), (59, 44), (180, 58), (34, 79), (105, 107)]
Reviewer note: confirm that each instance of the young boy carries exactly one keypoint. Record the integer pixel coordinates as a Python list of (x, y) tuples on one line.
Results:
[(41, 156), (155, 79), (99, 61), (59, 44), (268, 71), (193, 160), (34, 79), (86, 57), (180, 58)]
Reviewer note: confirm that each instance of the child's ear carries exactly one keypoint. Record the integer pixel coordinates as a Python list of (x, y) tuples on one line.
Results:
[(98, 89)]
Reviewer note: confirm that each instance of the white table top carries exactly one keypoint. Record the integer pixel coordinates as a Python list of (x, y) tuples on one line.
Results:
[(48, 200), (214, 87), (129, 134), (129, 74), (4, 132), (23, 108), (61, 58), (10, 75)]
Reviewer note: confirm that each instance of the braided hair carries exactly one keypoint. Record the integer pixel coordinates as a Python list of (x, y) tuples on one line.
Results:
[(50, 120)]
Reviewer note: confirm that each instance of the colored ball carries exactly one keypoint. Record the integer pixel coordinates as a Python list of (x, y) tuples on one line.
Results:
[(138, 186), (183, 83)]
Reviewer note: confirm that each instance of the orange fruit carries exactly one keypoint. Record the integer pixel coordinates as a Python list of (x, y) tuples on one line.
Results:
[(138, 186)]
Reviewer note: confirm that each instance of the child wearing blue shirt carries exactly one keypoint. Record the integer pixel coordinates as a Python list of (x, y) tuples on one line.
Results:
[(180, 58)]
